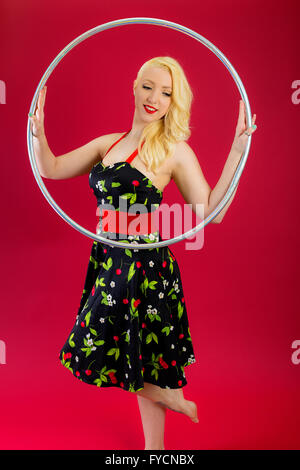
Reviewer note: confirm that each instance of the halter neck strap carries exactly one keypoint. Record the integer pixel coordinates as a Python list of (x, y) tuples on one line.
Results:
[(132, 156)]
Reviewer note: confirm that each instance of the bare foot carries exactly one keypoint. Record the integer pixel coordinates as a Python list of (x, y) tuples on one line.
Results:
[(187, 407), (172, 399)]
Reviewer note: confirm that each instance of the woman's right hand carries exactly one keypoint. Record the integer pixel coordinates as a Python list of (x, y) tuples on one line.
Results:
[(37, 119)]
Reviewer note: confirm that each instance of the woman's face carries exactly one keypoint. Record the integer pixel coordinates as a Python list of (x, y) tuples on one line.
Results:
[(154, 89)]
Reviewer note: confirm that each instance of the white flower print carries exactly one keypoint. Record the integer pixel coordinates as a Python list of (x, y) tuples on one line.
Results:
[(161, 295), (112, 284), (151, 264), (90, 342), (175, 285), (76, 358), (126, 317), (126, 375), (172, 346), (110, 300), (99, 185), (191, 359), (171, 328), (102, 320)]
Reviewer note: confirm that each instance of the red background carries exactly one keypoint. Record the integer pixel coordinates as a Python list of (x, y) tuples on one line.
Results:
[(240, 288)]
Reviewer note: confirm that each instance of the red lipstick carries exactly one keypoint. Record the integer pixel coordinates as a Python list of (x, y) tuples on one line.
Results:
[(150, 111)]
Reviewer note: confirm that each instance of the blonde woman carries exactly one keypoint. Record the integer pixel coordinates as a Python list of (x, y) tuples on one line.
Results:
[(132, 329)]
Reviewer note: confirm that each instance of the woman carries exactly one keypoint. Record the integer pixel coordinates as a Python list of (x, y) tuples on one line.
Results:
[(132, 329)]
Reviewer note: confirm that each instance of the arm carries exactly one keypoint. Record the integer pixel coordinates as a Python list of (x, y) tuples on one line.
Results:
[(75, 163), (188, 177), (236, 152), (222, 185), (190, 180)]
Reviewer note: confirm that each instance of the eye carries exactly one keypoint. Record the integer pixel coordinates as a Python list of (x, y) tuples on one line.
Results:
[(148, 88)]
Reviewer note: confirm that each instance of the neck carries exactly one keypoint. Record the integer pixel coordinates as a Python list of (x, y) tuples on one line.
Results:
[(136, 130)]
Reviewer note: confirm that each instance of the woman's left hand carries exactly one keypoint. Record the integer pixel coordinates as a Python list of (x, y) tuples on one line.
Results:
[(241, 139)]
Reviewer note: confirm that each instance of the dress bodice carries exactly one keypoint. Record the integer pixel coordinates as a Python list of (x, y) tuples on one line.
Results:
[(122, 186)]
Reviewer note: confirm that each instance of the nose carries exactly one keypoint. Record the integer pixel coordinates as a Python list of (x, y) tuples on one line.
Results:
[(153, 97)]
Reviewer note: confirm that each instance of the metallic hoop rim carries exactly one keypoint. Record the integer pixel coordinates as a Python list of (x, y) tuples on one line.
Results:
[(238, 172)]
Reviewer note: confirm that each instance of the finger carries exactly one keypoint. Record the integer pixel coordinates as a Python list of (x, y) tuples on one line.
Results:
[(41, 98), (241, 124)]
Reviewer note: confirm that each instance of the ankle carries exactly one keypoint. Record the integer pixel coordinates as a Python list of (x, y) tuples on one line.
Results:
[(154, 446)]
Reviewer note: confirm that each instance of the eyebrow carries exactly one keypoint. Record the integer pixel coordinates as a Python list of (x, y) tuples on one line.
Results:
[(147, 80)]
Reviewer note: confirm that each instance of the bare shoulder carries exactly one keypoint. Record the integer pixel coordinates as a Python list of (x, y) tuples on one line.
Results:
[(105, 141), (182, 156)]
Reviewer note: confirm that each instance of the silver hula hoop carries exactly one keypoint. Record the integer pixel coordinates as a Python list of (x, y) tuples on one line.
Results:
[(238, 172)]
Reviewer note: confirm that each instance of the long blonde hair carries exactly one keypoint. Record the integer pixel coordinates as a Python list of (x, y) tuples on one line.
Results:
[(160, 137)]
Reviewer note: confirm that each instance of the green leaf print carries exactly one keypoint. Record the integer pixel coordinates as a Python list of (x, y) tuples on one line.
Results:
[(87, 351), (133, 198), (114, 351), (152, 285), (151, 336), (146, 284), (126, 195), (104, 300), (128, 359), (98, 382), (71, 343), (115, 185), (87, 318), (111, 352), (154, 337), (109, 264), (166, 330), (131, 388), (103, 375), (128, 252), (170, 292), (95, 263), (99, 343), (100, 282), (153, 317), (180, 310), (131, 272), (94, 332)]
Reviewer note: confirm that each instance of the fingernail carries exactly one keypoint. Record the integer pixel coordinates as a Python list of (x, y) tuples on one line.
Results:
[(30, 114)]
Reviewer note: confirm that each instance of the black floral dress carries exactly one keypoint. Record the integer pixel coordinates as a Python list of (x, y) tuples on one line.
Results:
[(132, 325)]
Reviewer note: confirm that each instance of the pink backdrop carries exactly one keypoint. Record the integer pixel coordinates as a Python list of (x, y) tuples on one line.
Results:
[(240, 288)]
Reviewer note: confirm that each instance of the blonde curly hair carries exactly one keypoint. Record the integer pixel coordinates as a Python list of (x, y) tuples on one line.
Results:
[(160, 137)]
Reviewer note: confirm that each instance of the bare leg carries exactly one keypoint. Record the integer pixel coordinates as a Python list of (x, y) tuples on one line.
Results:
[(153, 420), (170, 398)]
